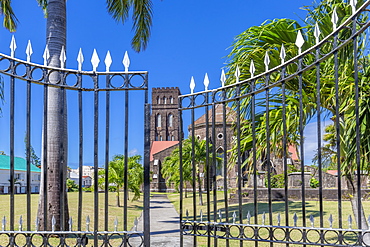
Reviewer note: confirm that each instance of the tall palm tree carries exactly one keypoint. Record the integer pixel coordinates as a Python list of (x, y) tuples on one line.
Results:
[(56, 121)]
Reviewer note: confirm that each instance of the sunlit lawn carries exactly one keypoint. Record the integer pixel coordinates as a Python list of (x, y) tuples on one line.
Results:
[(312, 208), (20, 209)]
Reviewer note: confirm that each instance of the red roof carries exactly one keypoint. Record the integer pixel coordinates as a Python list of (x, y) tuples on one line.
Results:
[(333, 172), (85, 176), (158, 146)]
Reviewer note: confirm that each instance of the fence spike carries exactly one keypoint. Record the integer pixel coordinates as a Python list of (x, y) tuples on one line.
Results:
[(37, 221), (252, 69), (263, 218), (237, 74), (126, 61), (53, 222), (206, 82), (20, 223), (108, 61), (4, 223), (115, 224), (87, 223), (220, 215), (80, 59), (136, 222), (70, 223), (29, 51), (368, 221), (249, 218), (312, 220), (334, 19), (187, 214), (95, 60), (267, 61), (46, 55), (353, 5), (331, 221), (299, 41), (223, 78), (192, 85), (13, 46), (295, 219), (62, 57), (282, 53), (349, 221), (234, 217), (201, 215), (317, 33), (278, 219)]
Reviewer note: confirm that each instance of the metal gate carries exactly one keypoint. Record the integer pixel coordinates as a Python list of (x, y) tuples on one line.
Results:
[(99, 127), (244, 160)]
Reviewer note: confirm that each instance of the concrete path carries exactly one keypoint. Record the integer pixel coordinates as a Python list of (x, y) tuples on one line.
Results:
[(164, 224)]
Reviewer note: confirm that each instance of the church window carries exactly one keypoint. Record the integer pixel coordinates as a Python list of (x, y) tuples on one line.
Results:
[(158, 100), (159, 120), (172, 138), (170, 120), (171, 100), (164, 100)]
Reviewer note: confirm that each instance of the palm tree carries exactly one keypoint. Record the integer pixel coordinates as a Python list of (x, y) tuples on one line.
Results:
[(256, 41), (56, 122), (116, 177)]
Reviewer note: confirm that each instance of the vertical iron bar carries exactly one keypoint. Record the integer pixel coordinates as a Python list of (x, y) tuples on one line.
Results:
[(45, 154), (253, 118), (193, 164), (96, 160), (147, 168), (224, 118), (63, 166), (240, 175), (80, 153), (181, 171), (301, 128), (208, 167), (214, 166), (12, 102), (126, 163), (106, 164), (28, 147)]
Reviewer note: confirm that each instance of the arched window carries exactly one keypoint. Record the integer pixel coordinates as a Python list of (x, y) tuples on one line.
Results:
[(164, 100), (158, 100), (170, 120), (160, 138), (159, 120), (171, 100)]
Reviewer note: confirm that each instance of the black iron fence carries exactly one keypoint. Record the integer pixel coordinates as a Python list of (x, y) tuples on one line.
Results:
[(251, 182), (95, 127)]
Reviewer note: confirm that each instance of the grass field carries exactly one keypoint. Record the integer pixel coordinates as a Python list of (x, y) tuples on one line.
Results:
[(20, 209), (312, 208)]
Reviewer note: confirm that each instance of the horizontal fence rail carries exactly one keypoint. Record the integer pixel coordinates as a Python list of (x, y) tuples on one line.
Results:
[(243, 161)]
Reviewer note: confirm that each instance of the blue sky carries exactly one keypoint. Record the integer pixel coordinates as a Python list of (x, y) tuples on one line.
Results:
[(189, 38)]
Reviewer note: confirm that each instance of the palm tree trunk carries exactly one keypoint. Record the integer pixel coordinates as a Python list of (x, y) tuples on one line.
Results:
[(117, 198), (356, 207), (56, 125)]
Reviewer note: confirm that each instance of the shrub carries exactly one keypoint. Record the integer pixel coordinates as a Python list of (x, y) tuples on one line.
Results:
[(314, 183), (277, 181)]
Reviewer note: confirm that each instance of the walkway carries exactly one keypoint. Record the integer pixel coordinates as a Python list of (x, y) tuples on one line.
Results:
[(164, 224)]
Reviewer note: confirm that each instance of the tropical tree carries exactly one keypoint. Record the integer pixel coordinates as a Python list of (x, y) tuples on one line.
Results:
[(71, 185), (171, 164), (116, 175), (268, 38), (56, 156)]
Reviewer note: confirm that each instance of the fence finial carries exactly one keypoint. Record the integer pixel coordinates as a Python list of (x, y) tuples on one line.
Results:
[(115, 224), (334, 19), (70, 224), (295, 219), (46, 55), (187, 214), (331, 221), (136, 222), (53, 222), (206, 82), (220, 215), (13, 46), (299, 41), (267, 61), (234, 217), (237, 74), (80, 59), (95, 60), (223, 78), (3, 224), (87, 223), (20, 223), (192, 85), (317, 33), (263, 218), (312, 220), (62, 57), (201, 215), (353, 5), (29, 51), (108, 61), (252, 69), (126, 61), (349, 221), (249, 218), (278, 219), (282, 53), (37, 221)]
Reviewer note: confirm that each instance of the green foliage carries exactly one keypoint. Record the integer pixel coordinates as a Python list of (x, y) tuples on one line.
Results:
[(71, 185), (277, 181), (116, 175), (34, 159), (314, 183)]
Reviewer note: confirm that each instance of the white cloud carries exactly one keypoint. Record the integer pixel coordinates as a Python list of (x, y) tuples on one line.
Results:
[(133, 152)]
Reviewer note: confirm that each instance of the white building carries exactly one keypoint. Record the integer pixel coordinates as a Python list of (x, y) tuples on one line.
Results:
[(86, 180), (86, 171), (20, 175)]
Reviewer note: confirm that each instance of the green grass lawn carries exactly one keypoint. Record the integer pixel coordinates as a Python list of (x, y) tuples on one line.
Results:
[(312, 208), (134, 210)]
